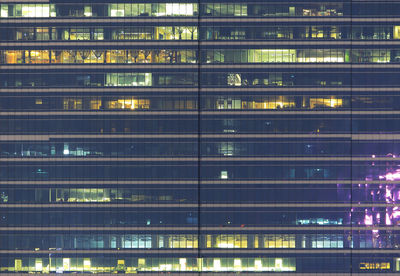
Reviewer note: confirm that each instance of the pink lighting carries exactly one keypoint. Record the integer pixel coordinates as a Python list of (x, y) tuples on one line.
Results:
[(391, 176), (388, 221), (385, 192), (368, 220), (388, 195), (396, 214)]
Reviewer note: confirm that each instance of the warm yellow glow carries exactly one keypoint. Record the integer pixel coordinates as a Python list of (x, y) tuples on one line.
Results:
[(13, 57), (95, 104), (141, 262), (208, 241), (129, 103), (183, 241), (277, 102), (279, 241), (162, 264), (72, 103), (326, 102), (18, 264), (231, 241), (256, 245), (396, 32), (374, 266), (97, 56)]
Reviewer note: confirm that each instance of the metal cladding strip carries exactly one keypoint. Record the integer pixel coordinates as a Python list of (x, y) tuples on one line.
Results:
[(183, 66), (194, 229), (98, 43), (192, 205), (87, 66), (207, 251), (191, 182), (195, 20), (110, 89), (193, 113), (168, 43), (183, 159), (46, 137), (132, 89), (84, 20), (229, 274), (192, 159)]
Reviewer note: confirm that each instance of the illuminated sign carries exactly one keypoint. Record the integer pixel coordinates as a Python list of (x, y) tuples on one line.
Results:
[(374, 266)]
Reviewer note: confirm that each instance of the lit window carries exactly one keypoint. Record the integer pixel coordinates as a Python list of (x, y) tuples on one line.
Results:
[(234, 80), (66, 264), (325, 103), (182, 263), (179, 9), (4, 10), (217, 264), (278, 264), (18, 264), (38, 265), (237, 264), (396, 32), (86, 264), (224, 175), (87, 10)]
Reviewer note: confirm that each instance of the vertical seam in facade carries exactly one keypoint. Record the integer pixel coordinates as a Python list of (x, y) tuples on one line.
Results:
[(199, 262), (351, 137)]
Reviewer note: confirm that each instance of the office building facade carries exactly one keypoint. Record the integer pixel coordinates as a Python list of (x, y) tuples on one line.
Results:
[(252, 137)]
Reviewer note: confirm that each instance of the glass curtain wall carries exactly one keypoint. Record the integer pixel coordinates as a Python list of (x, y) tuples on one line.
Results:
[(197, 137)]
